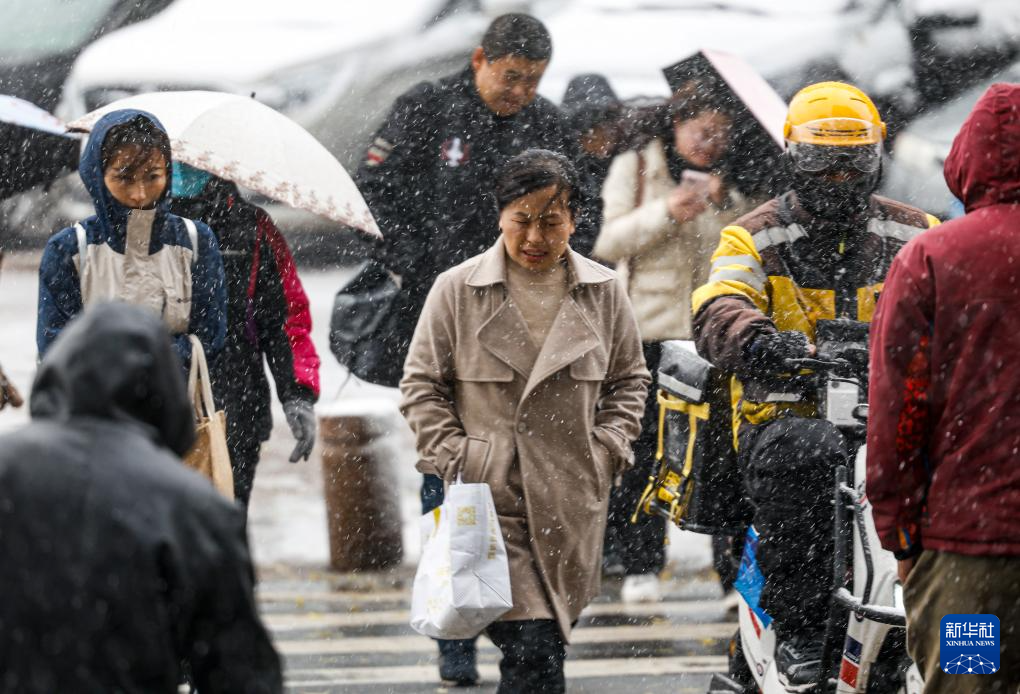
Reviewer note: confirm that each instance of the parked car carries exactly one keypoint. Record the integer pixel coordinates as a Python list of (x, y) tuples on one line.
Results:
[(40, 40), (958, 42), (914, 173), (39, 43), (789, 41)]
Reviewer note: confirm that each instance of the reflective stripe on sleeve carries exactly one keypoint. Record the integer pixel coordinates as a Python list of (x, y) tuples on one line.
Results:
[(750, 278), (774, 236), (748, 261)]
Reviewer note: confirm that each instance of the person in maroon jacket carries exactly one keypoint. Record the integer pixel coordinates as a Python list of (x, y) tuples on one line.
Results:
[(267, 320), (944, 425)]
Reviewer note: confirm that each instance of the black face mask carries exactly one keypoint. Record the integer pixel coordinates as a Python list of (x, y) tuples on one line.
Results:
[(839, 202)]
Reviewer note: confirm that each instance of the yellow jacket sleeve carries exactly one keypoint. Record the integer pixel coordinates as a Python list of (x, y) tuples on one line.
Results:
[(736, 271)]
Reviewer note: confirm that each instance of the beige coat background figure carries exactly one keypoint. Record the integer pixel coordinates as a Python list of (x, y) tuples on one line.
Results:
[(548, 439), (663, 261)]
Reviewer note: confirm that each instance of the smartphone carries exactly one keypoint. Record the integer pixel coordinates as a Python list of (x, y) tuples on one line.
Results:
[(698, 181)]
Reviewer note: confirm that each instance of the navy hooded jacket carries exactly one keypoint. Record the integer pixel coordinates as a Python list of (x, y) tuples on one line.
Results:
[(60, 296)]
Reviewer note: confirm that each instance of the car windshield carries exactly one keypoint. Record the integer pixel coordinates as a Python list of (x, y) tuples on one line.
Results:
[(31, 30)]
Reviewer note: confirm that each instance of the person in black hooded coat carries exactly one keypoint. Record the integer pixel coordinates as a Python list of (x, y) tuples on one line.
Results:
[(268, 322), (119, 562), (595, 116)]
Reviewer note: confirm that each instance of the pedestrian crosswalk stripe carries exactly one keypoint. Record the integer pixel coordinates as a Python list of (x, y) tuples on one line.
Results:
[(582, 635), (575, 669), (353, 597), (325, 620)]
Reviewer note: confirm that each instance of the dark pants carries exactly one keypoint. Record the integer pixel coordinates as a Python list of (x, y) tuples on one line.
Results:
[(726, 553), (533, 654), (432, 494), (640, 546), (944, 583), (244, 458), (789, 466)]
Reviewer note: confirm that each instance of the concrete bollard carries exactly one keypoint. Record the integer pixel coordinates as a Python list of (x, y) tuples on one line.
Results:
[(362, 505)]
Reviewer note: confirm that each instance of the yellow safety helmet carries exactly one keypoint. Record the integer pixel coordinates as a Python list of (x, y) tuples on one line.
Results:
[(833, 114)]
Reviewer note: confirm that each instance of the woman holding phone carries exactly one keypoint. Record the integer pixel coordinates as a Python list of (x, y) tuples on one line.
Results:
[(664, 206)]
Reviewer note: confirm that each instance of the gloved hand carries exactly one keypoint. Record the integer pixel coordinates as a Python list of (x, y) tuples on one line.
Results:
[(769, 352), (301, 418), (9, 395)]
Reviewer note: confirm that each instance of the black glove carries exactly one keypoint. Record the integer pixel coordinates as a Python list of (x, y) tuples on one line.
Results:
[(769, 352), (301, 418)]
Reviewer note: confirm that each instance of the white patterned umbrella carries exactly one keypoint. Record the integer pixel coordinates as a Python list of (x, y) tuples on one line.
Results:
[(246, 142)]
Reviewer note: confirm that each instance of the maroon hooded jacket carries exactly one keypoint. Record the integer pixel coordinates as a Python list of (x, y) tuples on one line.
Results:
[(944, 425)]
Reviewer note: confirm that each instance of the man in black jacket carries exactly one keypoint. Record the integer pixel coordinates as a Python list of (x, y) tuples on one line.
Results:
[(428, 178), (119, 563), (428, 174)]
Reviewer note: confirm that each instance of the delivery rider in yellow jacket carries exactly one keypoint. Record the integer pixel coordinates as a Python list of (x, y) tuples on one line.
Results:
[(819, 251)]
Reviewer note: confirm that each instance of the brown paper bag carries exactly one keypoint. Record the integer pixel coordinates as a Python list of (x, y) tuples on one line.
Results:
[(209, 455)]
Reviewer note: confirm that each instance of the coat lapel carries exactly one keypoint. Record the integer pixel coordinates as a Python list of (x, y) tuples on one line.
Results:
[(505, 335), (572, 336)]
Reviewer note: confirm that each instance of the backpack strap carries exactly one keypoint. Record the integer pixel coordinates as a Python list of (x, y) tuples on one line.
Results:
[(83, 248), (193, 237)]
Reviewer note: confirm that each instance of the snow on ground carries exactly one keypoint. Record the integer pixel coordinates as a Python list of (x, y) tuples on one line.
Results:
[(288, 514)]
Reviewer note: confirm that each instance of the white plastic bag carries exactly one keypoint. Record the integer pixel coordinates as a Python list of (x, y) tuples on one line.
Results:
[(463, 579)]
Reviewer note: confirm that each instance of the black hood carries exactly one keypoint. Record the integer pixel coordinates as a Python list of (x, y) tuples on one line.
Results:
[(116, 362), (589, 101)]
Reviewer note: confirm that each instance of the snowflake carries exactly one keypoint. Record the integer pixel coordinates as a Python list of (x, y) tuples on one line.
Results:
[(969, 664)]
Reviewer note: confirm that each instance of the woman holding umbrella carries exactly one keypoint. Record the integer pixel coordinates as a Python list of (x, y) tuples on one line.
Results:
[(525, 372), (133, 249)]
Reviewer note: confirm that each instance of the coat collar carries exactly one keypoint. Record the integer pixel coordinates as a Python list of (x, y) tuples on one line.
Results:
[(491, 269)]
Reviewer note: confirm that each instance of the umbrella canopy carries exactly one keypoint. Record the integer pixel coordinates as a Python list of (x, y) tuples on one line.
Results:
[(246, 142), (758, 112), (34, 146)]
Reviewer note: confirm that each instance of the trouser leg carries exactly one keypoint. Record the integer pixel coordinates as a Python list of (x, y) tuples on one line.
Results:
[(726, 553), (640, 545), (943, 583), (244, 458), (533, 655), (461, 650), (789, 467)]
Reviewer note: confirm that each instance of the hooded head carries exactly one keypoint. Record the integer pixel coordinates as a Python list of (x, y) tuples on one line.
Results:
[(116, 362), (133, 129), (983, 166), (590, 101)]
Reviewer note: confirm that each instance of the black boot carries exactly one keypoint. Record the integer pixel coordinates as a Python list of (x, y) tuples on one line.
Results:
[(799, 661), (458, 662)]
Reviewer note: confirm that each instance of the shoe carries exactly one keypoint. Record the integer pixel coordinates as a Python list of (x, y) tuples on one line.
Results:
[(612, 566), (731, 601), (799, 661), (641, 588), (457, 663)]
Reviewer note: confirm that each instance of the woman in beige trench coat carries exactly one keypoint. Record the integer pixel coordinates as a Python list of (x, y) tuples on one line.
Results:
[(526, 372)]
